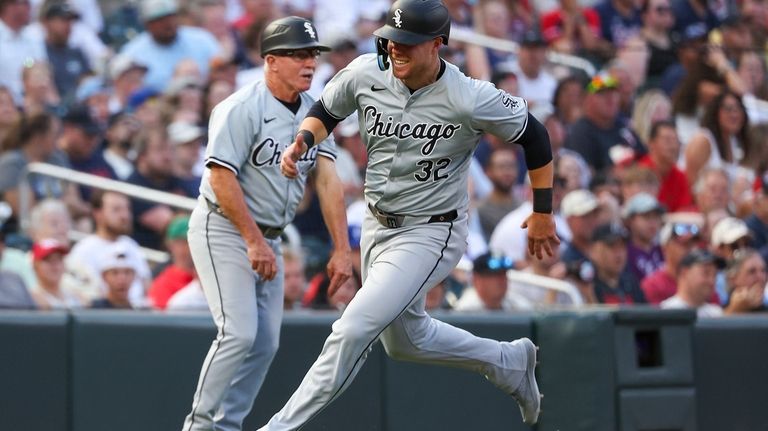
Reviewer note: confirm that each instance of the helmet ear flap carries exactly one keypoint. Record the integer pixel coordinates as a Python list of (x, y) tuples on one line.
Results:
[(383, 54)]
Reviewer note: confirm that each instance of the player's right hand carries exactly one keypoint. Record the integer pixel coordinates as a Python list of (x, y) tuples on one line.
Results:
[(263, 260), (291, 156)]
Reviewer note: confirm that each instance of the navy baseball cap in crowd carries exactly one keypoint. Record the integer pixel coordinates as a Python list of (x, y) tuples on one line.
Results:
[(533, 38), (80, 116), (138, 97), (488, 263), (610, 233), (700, 255), (59, 9)]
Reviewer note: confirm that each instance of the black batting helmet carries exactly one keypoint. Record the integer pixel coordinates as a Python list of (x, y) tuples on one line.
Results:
[(289, 33), (412, 22)]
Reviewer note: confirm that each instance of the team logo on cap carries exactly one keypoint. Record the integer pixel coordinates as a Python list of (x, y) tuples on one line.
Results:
[(308, 28), (398, 20)]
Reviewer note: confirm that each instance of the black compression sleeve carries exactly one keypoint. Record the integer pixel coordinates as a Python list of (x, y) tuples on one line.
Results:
[(318, 111), (535, 142)]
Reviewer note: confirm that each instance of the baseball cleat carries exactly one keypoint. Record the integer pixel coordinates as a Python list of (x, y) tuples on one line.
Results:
[(518, 378), (527, 393)]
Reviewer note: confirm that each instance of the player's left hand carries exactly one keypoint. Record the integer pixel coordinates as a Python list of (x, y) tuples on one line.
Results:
[(339, 270), (541, 234), (291, 156)]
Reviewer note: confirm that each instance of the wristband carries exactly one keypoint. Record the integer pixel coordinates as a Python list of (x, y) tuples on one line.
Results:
[(309, 137), (542, 201)]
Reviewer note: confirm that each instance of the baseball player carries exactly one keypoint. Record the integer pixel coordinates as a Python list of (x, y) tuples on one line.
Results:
[(420, 118), (234, 233)]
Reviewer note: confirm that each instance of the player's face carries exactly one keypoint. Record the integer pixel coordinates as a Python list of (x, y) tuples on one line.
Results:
[(297, 67), (413, 62)]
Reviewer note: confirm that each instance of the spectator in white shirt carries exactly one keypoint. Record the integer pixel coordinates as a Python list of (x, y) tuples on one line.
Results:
[(18, 47), (695, 284), (112, 215)]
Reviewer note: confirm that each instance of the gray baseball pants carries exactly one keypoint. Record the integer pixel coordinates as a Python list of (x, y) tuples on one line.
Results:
[(399, 266), (247, 312)]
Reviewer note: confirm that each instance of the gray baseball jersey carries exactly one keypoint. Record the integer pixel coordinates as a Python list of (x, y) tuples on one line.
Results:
[(248, 133), (420, 144), (419, 148)]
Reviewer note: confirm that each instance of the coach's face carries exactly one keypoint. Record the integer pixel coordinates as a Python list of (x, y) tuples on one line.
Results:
[(413, 62), (295, 68)]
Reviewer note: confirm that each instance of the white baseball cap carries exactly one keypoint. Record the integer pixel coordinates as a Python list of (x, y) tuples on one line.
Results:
[(121, 64), (729, 230), (116, 256), (641, 203), (154, 9), (578, 203), (181, 132)]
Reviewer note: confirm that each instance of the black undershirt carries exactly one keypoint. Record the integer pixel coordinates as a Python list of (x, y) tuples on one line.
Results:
[(292, 106)]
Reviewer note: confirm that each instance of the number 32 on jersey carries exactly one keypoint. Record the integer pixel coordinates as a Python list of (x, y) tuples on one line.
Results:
[(432, 169)]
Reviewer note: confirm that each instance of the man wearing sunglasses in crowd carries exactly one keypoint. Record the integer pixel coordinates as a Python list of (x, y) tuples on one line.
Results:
[(677, 239), (489, 285), (245, 202)]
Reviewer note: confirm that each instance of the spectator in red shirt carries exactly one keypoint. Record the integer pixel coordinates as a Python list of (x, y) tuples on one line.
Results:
[(181, 271), (677, 239), (663, 152), (572, 29)]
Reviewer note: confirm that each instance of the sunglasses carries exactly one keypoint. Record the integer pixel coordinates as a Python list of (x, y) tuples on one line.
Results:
[(685, 229), (499, 262), (298, 54), (662, 9)]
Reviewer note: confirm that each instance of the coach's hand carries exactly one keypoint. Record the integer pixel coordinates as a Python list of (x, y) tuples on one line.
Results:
[(339, 270), (262, 259), (291, 157), (541, 234)]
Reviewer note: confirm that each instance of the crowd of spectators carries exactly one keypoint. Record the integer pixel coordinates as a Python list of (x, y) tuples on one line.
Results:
[(661, 157)]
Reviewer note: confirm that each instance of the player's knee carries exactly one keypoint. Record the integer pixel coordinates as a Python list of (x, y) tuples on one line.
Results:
[(240, 341), (397, 350), (270, 347), (354, 334)]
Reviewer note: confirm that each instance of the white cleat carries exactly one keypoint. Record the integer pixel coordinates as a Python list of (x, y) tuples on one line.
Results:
[(519, 380)]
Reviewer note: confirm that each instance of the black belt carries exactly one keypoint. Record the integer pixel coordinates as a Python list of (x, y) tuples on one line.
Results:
[(400, 220), (269, 232)]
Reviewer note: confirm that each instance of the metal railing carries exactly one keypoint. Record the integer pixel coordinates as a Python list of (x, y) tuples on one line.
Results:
[(95, 181), (468, 35), (546, 283)]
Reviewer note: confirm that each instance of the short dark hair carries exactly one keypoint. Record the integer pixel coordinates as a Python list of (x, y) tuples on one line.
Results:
[(97, 198), (658, 125)]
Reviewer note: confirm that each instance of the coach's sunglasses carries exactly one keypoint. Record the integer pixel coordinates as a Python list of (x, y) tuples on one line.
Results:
[(298, 54)]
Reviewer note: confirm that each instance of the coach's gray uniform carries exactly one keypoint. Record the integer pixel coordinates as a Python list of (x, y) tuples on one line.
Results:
[(248, 133), (419, 148)]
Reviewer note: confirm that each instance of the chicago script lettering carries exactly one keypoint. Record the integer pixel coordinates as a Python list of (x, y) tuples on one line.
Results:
[(429, 131), (268, 153)]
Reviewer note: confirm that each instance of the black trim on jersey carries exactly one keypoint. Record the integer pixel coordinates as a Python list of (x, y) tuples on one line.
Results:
[(328, 154), (318, 111), (222, 163), (442, 69), (292, 106), (343, 383), (535, 143), (199, 391)]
